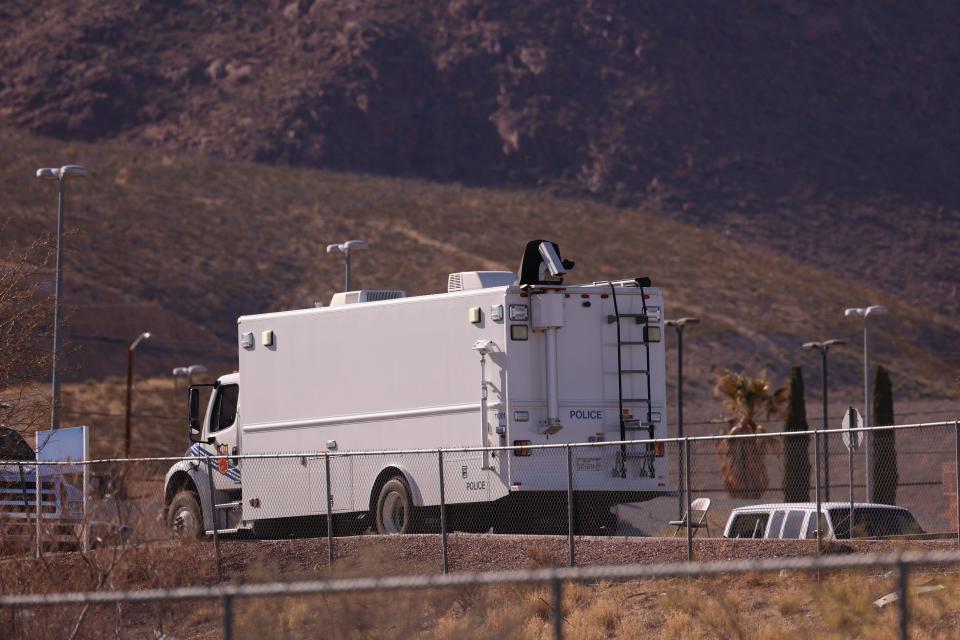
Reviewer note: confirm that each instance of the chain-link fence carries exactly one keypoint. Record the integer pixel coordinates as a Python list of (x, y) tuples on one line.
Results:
[(866, 595), (552, 500)]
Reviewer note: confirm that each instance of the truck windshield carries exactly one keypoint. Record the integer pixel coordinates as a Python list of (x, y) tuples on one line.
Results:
[(13, 446), (871, 522)]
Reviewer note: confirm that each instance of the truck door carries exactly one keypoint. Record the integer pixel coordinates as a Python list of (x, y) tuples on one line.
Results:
[(223, 428)]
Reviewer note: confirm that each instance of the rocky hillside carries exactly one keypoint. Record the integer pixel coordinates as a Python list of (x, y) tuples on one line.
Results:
[(182, 245), (825, 130)]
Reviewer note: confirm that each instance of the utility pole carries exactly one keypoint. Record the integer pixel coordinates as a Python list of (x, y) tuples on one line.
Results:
[(146, 335)]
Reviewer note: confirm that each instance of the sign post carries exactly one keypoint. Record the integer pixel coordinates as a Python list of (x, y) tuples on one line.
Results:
[(852, 438)]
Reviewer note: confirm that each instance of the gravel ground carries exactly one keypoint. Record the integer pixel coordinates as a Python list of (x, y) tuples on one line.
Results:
[(386, 555)]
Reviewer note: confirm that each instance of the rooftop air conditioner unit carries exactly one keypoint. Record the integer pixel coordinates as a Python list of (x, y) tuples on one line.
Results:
[(470, 280), (364, 295)]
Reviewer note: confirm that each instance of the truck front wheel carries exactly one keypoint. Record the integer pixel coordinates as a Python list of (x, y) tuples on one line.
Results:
[(184, 517), (394, 511)]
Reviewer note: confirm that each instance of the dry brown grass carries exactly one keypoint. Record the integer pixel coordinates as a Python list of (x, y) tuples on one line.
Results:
[(764, 606)]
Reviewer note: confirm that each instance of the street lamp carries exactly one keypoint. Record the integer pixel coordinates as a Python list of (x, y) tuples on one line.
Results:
[(679, 325), (60, 175), (146, 335), (866, 312), (345, 248), (823, 347), (188, 373)]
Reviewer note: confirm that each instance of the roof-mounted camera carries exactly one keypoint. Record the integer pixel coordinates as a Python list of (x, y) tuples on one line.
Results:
[(542, 264)]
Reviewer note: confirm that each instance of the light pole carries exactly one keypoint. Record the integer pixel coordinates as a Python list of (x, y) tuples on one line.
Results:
[(60, 175), (823, 347), (866, 312), (146, 335), (345, 248), (679, 325)]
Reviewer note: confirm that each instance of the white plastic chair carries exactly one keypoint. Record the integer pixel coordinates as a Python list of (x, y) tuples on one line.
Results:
[(698, 507)]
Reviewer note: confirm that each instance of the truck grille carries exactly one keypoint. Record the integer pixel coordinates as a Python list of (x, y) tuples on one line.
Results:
[(18, 499)]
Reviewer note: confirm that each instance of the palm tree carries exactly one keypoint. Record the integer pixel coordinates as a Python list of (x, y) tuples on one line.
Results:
[(743, 460)]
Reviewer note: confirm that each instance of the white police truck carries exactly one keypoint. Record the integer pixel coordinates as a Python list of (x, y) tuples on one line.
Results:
[(499, 360)]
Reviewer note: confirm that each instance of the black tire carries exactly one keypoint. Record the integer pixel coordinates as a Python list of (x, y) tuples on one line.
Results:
[(393, 512), (184, 516)]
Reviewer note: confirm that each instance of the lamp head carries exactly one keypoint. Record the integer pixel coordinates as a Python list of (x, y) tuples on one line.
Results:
[(146, 335), (681, 322), (66, 171), (73, 171), (350, 245), (347, 247)]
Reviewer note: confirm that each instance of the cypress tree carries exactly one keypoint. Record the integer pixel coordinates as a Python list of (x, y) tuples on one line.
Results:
[(885, 475), (796, 460)]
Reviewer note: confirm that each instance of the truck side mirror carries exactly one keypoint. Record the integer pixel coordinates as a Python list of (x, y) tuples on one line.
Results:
[(193, 419)]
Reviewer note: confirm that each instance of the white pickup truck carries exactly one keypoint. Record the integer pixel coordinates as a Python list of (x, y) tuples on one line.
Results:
[(61, 504), (797, 520)]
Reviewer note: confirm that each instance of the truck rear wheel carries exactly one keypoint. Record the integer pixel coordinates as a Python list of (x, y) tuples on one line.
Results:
[(394, 510), (184, 517)]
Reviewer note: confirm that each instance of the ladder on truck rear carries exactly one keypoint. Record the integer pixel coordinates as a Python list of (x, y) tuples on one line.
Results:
[(629, 423)]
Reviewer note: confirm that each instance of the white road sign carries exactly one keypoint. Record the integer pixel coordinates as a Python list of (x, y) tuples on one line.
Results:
[(852, 420)]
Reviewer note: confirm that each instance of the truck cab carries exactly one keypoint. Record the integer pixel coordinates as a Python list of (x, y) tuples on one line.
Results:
[(198, 486)]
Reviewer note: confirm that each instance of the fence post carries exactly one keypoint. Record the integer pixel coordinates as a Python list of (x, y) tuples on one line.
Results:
[(36, 499), (227, 605), (816, 490), (681, 481), (213, 519), (443, 515), (85, 542), (326, 462), (686, 473), (902, 576), (557, 609), (956, 471), (571, 557), (850, 469)]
